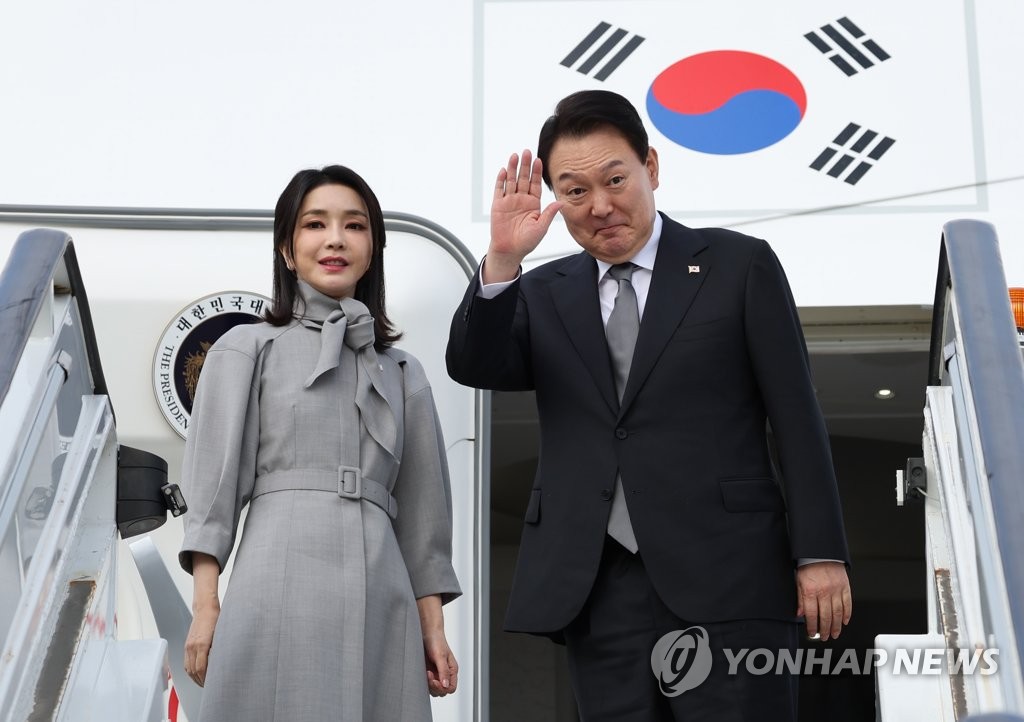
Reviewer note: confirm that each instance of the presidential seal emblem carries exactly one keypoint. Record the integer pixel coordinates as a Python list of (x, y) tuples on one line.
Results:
[(180, 354)]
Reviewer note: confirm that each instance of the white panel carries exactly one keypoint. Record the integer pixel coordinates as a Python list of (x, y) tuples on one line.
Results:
[(932, 150)]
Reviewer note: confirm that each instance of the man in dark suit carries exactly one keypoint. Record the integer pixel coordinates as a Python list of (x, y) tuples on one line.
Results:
[(658, 355)]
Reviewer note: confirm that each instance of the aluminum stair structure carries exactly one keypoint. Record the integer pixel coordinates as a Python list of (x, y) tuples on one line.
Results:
[(971, 480), (59, 467)]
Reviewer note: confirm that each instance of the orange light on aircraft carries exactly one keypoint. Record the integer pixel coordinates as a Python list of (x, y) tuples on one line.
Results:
[(1017, 304)]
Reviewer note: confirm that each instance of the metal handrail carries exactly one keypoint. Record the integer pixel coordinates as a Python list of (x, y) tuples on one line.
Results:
[(213, 219), (972, 309), (33, 265), (32, 622)]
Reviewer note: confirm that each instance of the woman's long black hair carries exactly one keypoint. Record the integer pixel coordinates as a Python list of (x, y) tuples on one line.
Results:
[(369, 289)]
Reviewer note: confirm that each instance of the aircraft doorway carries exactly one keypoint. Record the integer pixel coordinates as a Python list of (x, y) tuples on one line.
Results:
[(856, 354)]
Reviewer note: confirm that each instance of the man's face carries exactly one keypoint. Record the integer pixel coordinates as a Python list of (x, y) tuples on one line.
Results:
[(608, 192)]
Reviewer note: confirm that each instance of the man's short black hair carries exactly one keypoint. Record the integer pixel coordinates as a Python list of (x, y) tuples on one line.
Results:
[(584, 112)]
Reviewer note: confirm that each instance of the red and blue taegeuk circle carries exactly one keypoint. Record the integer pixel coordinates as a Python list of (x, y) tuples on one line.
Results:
[(726, 102)]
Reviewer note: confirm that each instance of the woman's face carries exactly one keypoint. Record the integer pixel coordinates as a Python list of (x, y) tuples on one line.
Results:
[(332, 241)]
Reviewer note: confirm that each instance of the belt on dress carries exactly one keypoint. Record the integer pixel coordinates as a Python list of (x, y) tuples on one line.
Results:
[(347, 482)]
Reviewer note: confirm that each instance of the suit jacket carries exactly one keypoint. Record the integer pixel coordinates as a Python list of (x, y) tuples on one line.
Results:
[(720, 352)]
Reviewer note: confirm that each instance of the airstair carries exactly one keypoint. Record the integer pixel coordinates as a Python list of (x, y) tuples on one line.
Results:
[(61, 469), (971, 481)]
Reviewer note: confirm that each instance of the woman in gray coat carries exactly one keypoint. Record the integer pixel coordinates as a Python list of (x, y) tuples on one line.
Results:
[(330, 435)]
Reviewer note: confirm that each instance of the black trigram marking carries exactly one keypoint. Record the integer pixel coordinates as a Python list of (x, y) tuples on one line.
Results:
[(612, 42), (846, 46), (853, 144)]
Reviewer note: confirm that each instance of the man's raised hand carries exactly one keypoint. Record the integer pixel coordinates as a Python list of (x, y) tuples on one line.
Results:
[(517, 222)]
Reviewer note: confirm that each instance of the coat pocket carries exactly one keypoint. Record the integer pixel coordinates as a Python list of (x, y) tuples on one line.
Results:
[(751, 494), (533, 508)]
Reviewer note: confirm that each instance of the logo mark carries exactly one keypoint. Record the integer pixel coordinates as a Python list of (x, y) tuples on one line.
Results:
[(868, 146), (181, 351), (840, 45), (726, 102), (610, 43), (681, 660)]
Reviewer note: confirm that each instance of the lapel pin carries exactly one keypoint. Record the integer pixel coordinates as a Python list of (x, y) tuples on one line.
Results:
[(694, 269)]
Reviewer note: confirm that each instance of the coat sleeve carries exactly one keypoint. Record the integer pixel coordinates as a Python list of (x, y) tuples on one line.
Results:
[(488, 345), (219, 466), (423, 526), (779, 357)]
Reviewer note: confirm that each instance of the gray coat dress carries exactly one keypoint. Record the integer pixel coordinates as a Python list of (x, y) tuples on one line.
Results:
[(312, 428)]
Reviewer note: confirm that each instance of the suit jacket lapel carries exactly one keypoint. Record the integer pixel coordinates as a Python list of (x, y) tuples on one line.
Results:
[(674, 285), (576, 300)]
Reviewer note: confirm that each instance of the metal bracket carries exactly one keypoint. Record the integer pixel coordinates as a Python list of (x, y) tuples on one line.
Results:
[(915, 479)]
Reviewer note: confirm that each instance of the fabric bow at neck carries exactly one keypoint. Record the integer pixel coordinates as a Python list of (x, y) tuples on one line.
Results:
[(350, 324)]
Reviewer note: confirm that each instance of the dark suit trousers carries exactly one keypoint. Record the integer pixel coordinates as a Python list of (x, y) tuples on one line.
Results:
[(610, 644)]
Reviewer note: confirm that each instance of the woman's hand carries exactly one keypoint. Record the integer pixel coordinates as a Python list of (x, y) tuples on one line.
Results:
[(442, 669), (199, 643), (205, 611)]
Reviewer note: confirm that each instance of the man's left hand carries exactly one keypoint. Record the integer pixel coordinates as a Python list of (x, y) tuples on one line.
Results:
[(824, 599)]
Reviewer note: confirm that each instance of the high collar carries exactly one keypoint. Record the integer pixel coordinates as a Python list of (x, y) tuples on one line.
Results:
[(317, 306)]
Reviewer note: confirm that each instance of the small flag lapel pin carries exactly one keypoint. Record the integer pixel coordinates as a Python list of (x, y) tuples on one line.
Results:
[(694, 269)]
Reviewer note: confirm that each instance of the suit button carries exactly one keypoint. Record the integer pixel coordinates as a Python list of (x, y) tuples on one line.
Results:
[(606, 494), (621, 433)]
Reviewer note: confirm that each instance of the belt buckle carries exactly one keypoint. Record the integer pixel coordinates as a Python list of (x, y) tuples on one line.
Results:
[(350, 482)]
